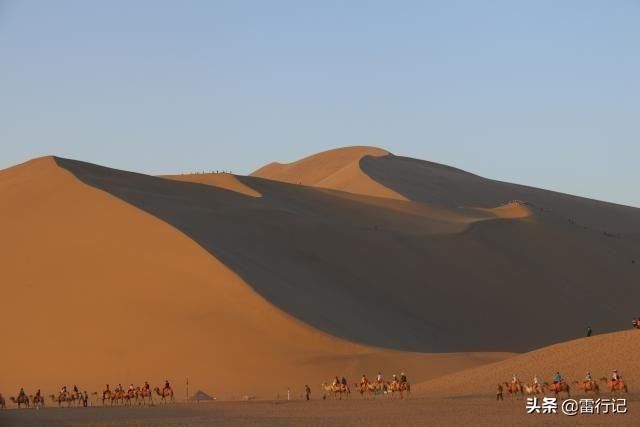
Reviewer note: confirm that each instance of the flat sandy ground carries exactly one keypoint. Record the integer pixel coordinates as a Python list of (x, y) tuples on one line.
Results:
[(473, 411)]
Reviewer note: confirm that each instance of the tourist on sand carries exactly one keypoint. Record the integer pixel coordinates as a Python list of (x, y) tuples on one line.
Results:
[(307, 392), (589, 331), (499, 393)]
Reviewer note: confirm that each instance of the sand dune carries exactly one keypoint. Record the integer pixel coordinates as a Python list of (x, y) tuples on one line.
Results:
[(248, 285), (598, 354), (337, 169), (404, 274), (98, 291)]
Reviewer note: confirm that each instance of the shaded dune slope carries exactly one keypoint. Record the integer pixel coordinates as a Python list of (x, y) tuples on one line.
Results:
[(96, 291), (444, 186), (598, 354), (401, 274)]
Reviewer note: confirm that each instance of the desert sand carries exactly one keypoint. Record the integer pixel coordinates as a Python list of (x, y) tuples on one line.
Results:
[(346, 262)]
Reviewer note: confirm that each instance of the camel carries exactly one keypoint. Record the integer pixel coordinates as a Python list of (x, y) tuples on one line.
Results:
[(166, 392), (37, 400), (399, 387), (588, 386), (21, 400), (533, 390), (514, 389), (365, 388), (557, 388), (142, 394), (3, 403), (614, 387)]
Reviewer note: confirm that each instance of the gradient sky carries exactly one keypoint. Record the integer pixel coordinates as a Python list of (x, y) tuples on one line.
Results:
[(544, 93)]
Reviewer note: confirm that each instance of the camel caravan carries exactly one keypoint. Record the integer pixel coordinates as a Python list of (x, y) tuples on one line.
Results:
[(398, 387), (560, 387), (141, 395)]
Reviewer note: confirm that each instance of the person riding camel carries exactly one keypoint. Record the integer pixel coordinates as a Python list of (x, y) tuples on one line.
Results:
[(364, 381), (38, 393), (336, 381), (514, 379), (120, 388), (588, 378), (167, 386), (379, 378), (395, 378), (75, 389), (344, 382), (615, 376), (557, 379), (146, 387), (131, 388), (403, 377), (21, 393), (63, 390), (536, 382)]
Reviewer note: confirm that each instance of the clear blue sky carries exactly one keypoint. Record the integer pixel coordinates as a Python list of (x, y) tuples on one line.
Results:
[(545, 93)]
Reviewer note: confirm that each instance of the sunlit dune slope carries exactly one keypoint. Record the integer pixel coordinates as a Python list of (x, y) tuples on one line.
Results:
[(226, 181), (599, 354), (95, 291), (401, 274), (337, 169)]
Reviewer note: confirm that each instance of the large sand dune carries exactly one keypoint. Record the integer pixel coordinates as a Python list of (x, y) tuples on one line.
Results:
[(249, 284), (95, 290), (403, 274)]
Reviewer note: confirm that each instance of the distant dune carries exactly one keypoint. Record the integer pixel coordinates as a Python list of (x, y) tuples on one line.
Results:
[(599, 354), (247, 284), (337, 169)]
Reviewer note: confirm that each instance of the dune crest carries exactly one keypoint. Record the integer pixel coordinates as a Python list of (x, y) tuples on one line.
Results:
[(337, 169), (225, 181)]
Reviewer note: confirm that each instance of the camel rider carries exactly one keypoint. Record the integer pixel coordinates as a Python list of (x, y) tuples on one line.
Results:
[(75, 389), (336, 381), (344, 382), (557, 379), (588, 378), (514, 379), (22, 393), (146, 386), (131, 388), (167, 385), (379, 378), (403, 377), (364, 381), (536, 380), (63, 390), (107, 387), (615, 376), (395, 378), (38, 393)]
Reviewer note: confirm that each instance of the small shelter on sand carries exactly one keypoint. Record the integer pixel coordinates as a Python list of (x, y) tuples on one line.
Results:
[(201, 396)]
